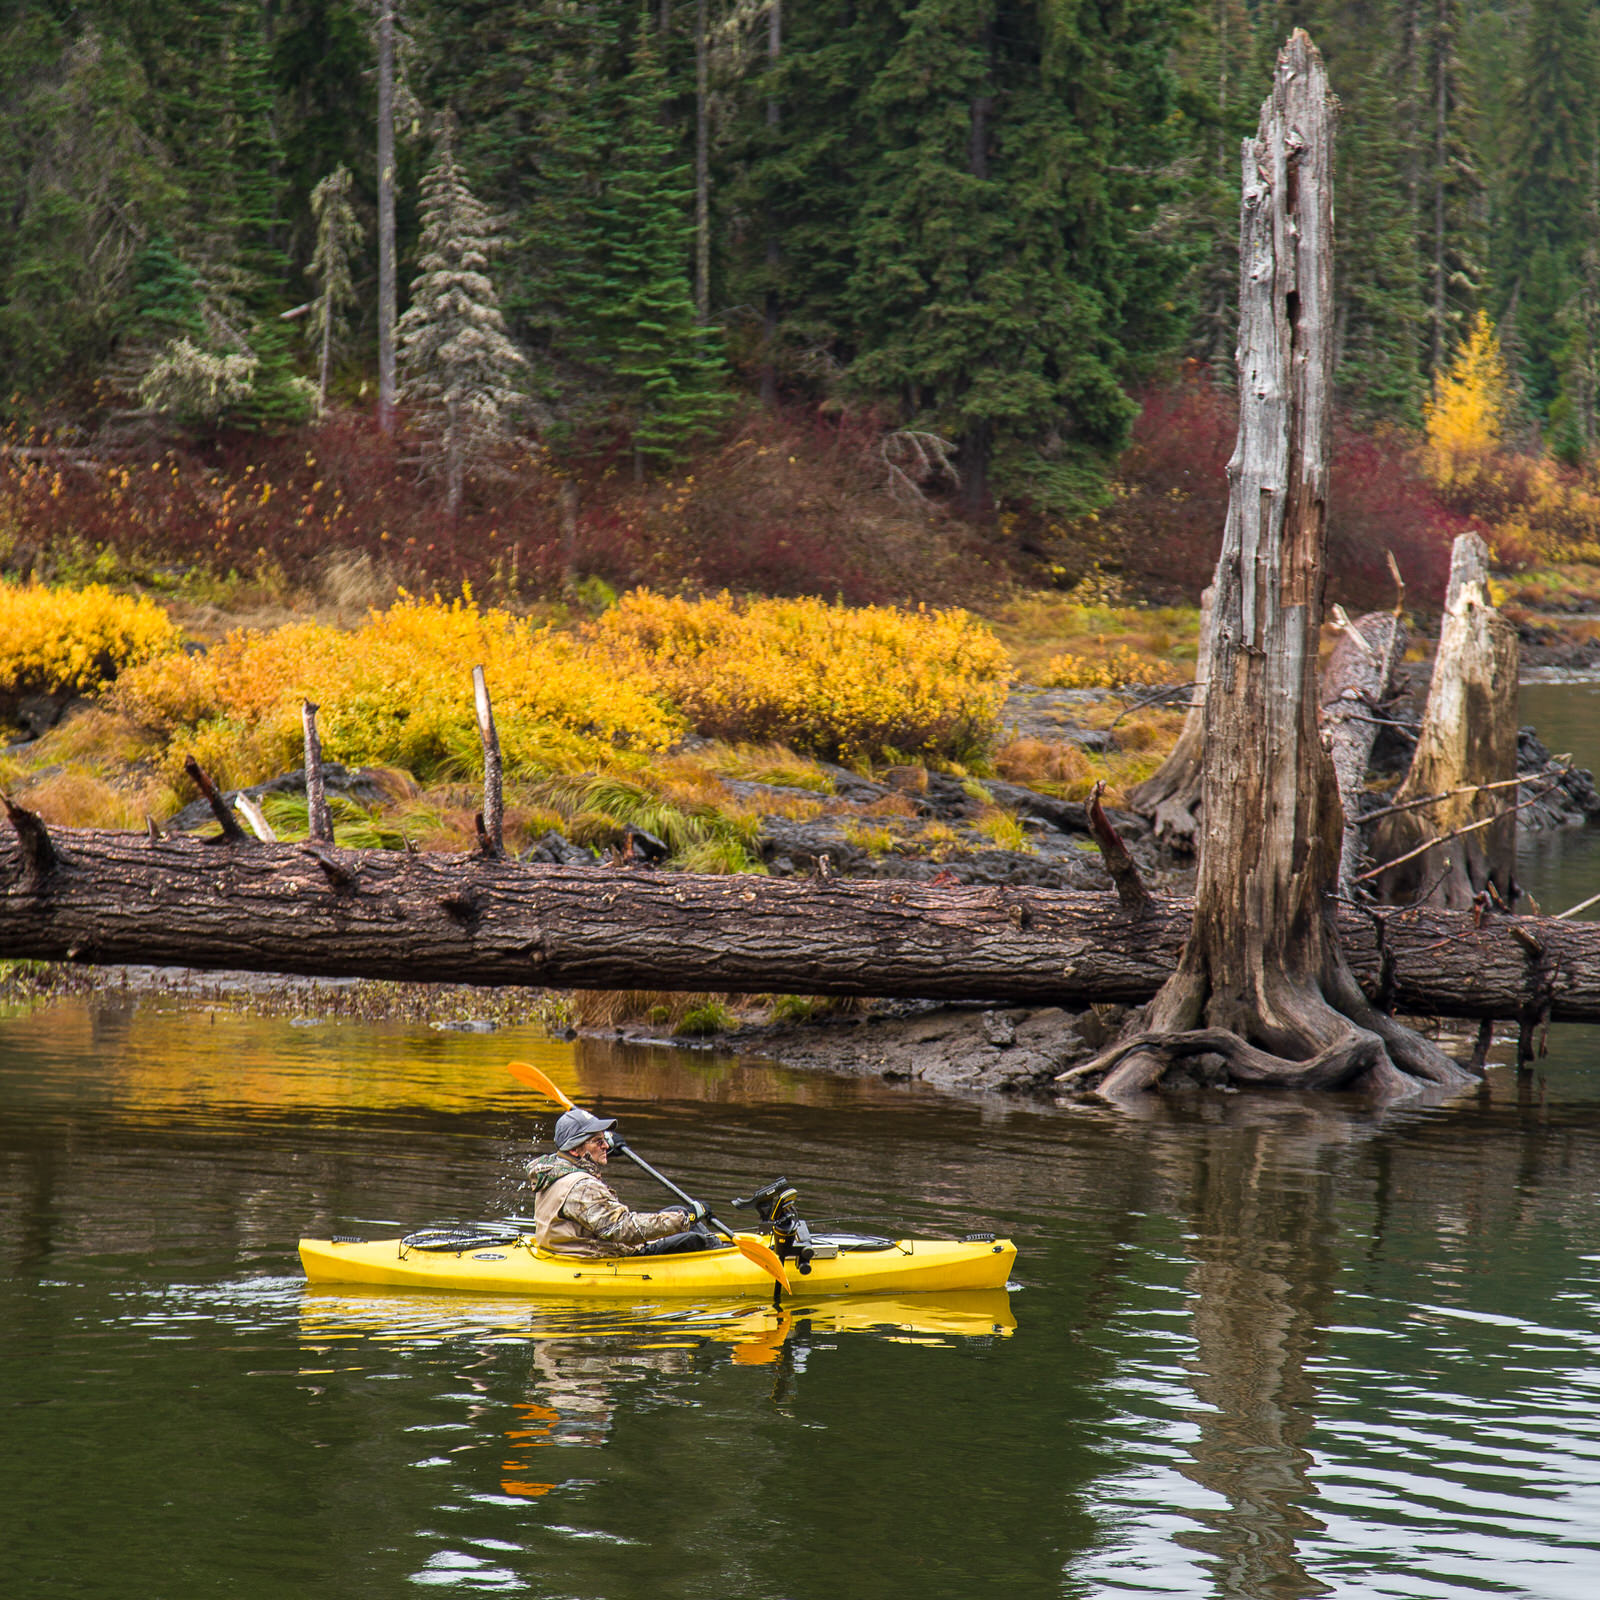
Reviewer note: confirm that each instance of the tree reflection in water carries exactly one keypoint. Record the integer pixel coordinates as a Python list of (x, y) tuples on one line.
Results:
[(1260, 1191)]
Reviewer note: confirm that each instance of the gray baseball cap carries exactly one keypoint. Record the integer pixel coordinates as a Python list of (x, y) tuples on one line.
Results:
[(575, 1126)]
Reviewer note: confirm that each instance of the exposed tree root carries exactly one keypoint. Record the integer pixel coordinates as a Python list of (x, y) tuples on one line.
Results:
[(1324, 1035)]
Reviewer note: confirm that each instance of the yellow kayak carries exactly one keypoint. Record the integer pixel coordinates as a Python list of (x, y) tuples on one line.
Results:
[(517, 1266)]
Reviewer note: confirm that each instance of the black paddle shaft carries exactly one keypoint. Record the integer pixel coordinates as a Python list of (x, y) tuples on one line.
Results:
[(621, 1149)]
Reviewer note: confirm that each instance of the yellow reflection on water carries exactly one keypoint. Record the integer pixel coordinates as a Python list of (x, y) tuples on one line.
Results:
[(156, 1057), (404, 1316)]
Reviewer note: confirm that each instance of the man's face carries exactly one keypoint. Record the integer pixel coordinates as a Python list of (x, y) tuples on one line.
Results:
[(594, 1149)]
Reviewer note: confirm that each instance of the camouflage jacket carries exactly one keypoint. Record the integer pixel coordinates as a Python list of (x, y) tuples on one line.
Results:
[(578, 1214)]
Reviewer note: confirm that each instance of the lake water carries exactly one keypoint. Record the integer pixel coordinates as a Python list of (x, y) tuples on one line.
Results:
[(1257, 1348)]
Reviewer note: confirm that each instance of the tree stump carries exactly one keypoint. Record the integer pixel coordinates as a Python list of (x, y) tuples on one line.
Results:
[(1468, 738), (1355, 689), (1262, 982)]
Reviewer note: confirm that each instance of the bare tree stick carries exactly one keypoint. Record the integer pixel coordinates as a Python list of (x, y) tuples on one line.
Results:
[(219, 806), (254, 815), (1582, 905), (1434, 799), (491, 835), (1131, 892), (1456, 833), (319, 824)]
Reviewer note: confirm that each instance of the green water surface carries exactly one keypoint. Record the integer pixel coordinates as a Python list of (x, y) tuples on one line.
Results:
[(1258, 1346)]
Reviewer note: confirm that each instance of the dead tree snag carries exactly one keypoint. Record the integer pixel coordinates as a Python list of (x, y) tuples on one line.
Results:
[(1466, 753), (1355, 689), (1262, 981)]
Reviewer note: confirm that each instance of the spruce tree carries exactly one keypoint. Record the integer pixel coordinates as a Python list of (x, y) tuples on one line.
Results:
[(338, 238), (459, 372), (991, 256), (653, 375), (1545, 187)]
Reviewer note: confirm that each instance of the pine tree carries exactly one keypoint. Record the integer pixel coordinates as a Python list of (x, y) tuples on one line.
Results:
[(458, 369), (981, 240), (1545, 186), (624, 287), (1452, 212), (84, 184), (338, 237)]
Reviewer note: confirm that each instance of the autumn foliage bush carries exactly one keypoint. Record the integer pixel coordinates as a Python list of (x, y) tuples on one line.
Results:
[(831, 680), (794, 502), (62, 640), (397, 691), (1164, 528)]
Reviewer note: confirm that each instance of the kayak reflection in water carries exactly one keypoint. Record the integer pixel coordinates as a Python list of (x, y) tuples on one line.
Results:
[(578, 1214)]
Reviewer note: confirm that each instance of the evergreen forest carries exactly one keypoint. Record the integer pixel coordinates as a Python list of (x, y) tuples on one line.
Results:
[(985, 225)]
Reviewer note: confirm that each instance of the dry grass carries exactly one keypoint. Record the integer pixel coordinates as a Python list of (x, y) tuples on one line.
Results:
[(1038, 629), (1043, 764), (661, 1008)]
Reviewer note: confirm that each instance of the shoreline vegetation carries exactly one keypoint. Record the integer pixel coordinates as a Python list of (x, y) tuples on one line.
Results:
[(965, 685)]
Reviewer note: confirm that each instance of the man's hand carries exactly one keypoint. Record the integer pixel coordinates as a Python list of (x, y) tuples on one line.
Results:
[(697, 1212)]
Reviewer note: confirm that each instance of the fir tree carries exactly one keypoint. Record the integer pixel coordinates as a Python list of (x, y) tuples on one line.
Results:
[(338, 237), (459, 371), (1545, 186), (992, 256), (626, 299)]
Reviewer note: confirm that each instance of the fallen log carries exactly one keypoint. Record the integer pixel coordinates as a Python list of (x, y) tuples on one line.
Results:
[(100, 897)]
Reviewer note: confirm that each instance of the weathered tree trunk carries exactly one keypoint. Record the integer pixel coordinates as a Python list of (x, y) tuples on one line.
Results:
[(702, 168), (100, 897), (1355, 687), (388, 290), (1468, 738), (1170, 796), (1262, 982), (770, 308)]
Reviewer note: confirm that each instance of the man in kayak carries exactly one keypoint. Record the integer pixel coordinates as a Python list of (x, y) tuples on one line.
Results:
[(576, 1212)]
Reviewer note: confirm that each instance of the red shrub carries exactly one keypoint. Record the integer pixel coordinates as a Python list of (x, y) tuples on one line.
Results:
[(1165, 529)]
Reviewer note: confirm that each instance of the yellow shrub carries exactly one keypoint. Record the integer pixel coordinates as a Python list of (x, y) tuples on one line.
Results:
[(1120, 667), (75, 640), (398, 691), (832, 680)]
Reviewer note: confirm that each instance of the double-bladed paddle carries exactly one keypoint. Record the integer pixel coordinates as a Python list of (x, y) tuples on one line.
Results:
[(751, 1249)]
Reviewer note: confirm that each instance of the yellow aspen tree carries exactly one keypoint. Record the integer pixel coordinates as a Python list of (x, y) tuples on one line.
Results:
[(1467, 414)]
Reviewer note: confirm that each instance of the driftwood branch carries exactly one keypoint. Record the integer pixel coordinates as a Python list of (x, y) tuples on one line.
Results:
[(38, 853), (490, 821), (1131, 892), (256, 817), (1457, 833), (220, 807), (319, 824)]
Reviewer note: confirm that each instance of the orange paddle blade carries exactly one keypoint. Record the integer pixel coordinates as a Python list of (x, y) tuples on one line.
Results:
[(765, 1259), (535, 1079)]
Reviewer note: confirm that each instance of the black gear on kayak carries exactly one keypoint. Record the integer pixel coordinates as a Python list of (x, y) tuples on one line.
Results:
[(574, 1126), (460, 1236)]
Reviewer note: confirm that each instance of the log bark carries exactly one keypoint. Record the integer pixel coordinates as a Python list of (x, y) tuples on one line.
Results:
[(1355, 687), (1263, 981), (1468, 738), (102, 897)]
